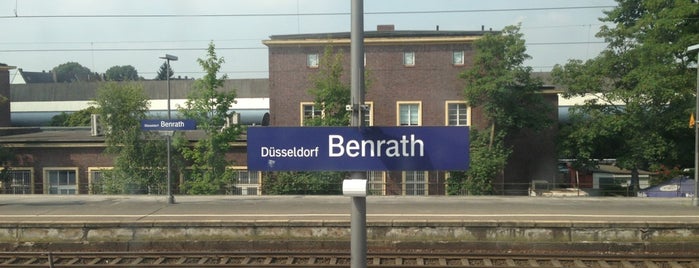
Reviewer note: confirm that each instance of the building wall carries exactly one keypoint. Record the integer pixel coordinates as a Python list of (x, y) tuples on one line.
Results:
[(5, 92), (433, 80)]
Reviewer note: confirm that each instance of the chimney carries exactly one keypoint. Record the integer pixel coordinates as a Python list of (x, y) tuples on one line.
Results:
[(386, 28), (438, 28)]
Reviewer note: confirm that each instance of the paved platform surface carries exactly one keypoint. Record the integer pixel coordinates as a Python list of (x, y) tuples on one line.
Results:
[(82, 209)]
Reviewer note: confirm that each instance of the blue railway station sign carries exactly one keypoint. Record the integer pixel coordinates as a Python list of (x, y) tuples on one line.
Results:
[(168, 124), (357, 149)]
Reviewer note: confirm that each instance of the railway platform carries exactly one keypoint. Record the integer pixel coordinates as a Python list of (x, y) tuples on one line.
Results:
[(394, 223)]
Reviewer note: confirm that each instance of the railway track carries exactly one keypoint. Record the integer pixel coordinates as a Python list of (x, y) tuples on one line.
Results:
[(324, 259)]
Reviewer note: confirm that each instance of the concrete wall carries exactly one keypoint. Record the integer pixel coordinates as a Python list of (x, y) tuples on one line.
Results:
[(462, 236)]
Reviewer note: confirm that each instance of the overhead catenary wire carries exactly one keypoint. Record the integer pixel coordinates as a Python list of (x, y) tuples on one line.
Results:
[(16, 16)]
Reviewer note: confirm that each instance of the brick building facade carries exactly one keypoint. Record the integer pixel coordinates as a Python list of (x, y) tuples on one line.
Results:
[(414, 80)]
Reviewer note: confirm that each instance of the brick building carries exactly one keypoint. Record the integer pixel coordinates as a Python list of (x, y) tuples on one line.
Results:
[(414, 81)]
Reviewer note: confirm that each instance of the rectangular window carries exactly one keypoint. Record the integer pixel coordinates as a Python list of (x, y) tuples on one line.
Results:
[(409, 58), (458, 58), (61, 181), (457, 113), (312, 60), (94, 178), (309, 111), (415, 183), (21, 181), (368, 114), (409, 114), (248, 182), (376, 182)]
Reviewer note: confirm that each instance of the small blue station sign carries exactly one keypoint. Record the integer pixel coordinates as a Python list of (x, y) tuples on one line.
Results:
[(168, 124), (358, 149)]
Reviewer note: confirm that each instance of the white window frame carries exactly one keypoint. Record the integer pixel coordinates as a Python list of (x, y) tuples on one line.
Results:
[(13, 181), (376, 182), (458, 58), (245, 186), (419, 112), (314, 112), (369, 115), (415, 189), (91, 177), (47, 180), (409, 58), (447, 114), (312, 60)]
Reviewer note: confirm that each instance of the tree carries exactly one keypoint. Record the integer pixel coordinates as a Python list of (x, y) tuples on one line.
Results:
[(504, 89), (210, 109), (643, 85), (121, 73), (6, 157), (164, 72), (79, 118), (331, 95), (71, 72), (138, 167)]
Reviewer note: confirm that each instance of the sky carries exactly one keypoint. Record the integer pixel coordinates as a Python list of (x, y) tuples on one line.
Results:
[(38, 35)]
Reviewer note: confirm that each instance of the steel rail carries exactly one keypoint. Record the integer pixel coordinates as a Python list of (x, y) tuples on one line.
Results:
[(336, 259)]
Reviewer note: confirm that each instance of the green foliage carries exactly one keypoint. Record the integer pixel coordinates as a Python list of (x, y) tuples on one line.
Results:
[(121, 73), (331, 93), (71, 72), (76, 119), (138, 167), (488, 158), (504, 88), (643, 84), (304, 183), (6, 158), (499, 84), (164, 72), (210, 109)]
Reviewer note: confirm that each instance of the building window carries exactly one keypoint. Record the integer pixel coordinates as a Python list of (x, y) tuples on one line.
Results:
[(247, 183), (457, 113), (458, 58), (409, 114), (95, 180), (409, 58), (21, 181), (312, 60), (61, 180), (368, 114), (415, 183), (309, 111), (376, 182)]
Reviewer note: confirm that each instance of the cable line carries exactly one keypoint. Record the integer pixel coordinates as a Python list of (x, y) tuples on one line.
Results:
[(304, 14)]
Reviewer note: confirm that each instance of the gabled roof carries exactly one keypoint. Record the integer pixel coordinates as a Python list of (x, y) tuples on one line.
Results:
[(36, 77)]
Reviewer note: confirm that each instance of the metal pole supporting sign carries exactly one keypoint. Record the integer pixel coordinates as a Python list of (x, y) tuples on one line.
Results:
[(695, 202), (171, 197), (358, 230)]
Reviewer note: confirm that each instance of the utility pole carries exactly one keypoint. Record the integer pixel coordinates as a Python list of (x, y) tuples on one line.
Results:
[(358, 217)]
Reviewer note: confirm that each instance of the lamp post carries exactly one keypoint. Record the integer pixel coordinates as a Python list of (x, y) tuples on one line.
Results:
[(695, 201), (170, 198)]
